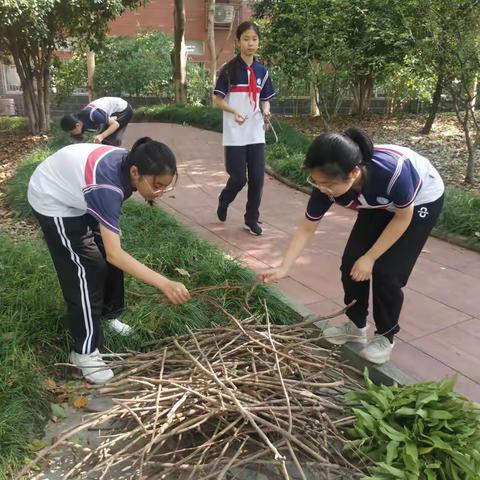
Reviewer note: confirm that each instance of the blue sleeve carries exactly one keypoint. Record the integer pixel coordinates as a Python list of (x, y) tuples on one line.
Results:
[(318, 205), (404, 185), (221, 87), (104, 202), (268, 91), (99, 117)]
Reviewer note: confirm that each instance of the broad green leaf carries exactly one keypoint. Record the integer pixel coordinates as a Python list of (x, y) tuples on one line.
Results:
[(400, 474), (391, 432), (439, 415), (411, 457), (364, 418), (392, 452), (430, 474)]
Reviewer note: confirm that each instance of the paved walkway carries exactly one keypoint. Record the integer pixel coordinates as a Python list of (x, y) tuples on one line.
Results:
[(440, 322)]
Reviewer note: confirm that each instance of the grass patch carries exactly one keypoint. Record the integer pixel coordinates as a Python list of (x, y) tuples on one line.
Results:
[(32, 329), (461, 214), (14, 124), (30, 326)]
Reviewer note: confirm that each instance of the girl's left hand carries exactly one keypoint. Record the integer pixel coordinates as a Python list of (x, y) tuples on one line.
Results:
[(362, 268), (98, 139)]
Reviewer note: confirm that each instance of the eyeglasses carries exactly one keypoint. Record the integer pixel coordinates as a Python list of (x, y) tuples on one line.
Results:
[(163, 190), (329, 185)]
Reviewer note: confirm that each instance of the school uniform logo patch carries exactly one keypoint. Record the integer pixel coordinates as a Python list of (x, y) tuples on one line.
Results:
[(423, 212), (259, 81), (382, 200)]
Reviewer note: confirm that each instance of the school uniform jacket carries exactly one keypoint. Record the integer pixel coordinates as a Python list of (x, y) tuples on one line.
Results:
[(252, 131), (396, 177), (82, 179), (96, 114)]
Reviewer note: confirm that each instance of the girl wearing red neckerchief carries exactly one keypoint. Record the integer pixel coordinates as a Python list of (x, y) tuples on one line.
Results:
[(243, 91)]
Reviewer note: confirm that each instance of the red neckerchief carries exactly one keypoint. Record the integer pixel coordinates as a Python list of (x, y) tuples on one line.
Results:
[(252, 87)]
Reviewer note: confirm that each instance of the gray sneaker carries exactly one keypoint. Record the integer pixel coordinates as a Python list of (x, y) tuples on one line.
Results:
[(347, 332), (378, 350)]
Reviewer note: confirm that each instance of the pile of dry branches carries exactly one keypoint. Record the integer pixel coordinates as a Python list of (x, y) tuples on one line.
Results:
[(209, 403)]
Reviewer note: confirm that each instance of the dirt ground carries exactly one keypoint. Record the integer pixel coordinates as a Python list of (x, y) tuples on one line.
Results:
[(444, 146)]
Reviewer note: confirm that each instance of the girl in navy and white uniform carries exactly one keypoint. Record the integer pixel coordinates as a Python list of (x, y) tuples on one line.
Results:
[(106, 116), (77, 195), (399, 196), (243, 91)]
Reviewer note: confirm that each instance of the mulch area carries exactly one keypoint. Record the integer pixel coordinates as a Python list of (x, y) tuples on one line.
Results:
[(13, 147), (444, 146)]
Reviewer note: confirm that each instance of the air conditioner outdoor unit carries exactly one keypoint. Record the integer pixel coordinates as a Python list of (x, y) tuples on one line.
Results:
[(224, 14)]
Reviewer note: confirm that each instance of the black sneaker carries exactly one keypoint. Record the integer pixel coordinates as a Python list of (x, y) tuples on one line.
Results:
[(222, 212), (253, 228)]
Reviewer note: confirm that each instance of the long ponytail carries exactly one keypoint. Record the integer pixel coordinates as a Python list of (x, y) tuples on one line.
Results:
[(363, 141)]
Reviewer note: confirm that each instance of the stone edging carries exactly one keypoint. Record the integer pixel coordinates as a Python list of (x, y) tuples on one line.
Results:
[(386, 374)]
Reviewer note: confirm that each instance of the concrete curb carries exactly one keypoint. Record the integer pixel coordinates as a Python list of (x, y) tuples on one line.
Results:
[(386, 374)]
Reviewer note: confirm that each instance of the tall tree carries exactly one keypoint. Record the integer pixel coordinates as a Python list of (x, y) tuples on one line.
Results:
[(462, 83), (90, 57), (211, 40), (179, 53), (334, 42), (31, 31), (438, 42)]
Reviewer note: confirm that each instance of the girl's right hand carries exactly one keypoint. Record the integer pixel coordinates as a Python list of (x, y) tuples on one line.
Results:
[(273, 275), (176, 292), (240, 119)]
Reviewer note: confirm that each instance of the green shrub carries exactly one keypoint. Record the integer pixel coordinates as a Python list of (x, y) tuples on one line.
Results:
[(416, 432)]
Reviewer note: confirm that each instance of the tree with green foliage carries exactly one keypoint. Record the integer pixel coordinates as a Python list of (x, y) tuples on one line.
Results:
[(438, 43), (31, 31), (338, 43), (461, 81), (132, 66)]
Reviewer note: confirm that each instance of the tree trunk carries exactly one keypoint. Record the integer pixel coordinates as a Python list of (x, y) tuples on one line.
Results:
[(362, 92), (465, 122), (314, 110), (471, 156), (33, 69), (180, 54), (437, 96), (26, 81), (90, 74), (473, 94), (211, 41)]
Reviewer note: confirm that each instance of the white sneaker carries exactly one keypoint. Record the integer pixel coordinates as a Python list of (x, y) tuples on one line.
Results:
[(93, 368), (347, 332), (119, 327), (378, 350)]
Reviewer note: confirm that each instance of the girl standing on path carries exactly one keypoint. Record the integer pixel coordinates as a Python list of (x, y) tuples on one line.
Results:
[(399, 196), (243, 91), (107, 116), (77, 195)]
